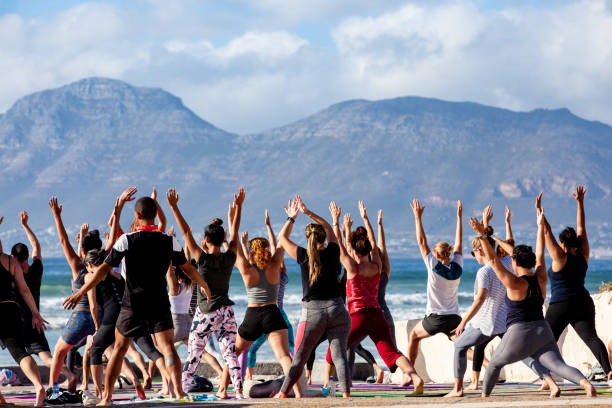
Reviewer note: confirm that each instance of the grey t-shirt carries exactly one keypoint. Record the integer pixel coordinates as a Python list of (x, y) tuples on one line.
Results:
[(216, 270)]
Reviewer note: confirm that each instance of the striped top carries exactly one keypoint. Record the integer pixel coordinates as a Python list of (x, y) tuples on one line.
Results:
[(284, 279), (491, 317)]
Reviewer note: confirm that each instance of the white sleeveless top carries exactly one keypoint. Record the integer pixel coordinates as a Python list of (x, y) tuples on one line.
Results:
[(179, 304)]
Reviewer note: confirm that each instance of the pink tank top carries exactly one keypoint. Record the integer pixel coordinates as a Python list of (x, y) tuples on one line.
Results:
[(362, 292)]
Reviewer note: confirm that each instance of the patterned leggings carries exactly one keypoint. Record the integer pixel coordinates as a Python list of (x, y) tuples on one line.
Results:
[(222, 323)]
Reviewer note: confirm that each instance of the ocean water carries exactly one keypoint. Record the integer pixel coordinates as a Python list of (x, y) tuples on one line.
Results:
[(406, 295)]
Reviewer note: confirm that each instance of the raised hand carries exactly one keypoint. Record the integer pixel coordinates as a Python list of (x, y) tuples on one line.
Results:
[(300, 204), (541, 217), (56, 208), (244, 238), (508, 214), (128, 195), (348, 220), (292, 208), (459, 208), (487, 215), (23, 217), (538, 203), (362, 210), (239, 199), (580, 193), (78, 237), (379, 217), (106, 235), (84, 229), (416, 208), (477, 226), (154, 194), (335, 212), (172, 197), (267, 219), (171, 231)]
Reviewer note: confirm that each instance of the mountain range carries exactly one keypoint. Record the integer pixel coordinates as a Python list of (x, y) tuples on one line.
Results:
[(87, 141)]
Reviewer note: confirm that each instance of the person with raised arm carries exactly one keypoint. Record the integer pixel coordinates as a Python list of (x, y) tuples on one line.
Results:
[(214, 313), (323, 311), (261, 280), (145, 307), (444, 269), (284, 279), (35, 341), (81, 322), (363, 277), (11, 329), (527, 333), (486, 317), (384, 277), (570, 302)]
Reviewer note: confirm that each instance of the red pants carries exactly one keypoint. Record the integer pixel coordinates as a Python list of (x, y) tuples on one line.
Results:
[(371, 322)]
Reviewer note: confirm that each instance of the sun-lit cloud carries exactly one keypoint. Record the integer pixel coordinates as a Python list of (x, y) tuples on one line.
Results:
[(250, 66)]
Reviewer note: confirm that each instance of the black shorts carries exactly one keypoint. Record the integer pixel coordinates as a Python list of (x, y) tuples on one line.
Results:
[(133, 324), (261, 320), (36, 342), (435, 323)]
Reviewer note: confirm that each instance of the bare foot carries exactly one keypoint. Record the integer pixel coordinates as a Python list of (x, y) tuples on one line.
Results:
[(222, 394), (544, 387), (380, 376), (148, 382), (105, 402), (483, 395), (346, 395), (99, 392), (280, 395), (454, 394), (40, 397), (418, 387), (406, 381), (555, 391), (473, 386), (590, 391)]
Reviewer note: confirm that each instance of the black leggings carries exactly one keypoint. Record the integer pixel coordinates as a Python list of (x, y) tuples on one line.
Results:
[(105, 335), (580, 313), (479, 353), (11, 331), (311, 358), (146, 345), (363, 353)]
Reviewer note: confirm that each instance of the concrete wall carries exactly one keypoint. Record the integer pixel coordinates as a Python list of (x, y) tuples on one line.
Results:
[(435, 360)]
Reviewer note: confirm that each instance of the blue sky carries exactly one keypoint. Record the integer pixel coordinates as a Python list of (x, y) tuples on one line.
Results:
[(247, 66)]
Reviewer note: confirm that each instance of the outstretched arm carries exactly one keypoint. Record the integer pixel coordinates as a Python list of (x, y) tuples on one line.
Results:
[(329, 232), (540, 267), (375, 258), (161, 217), (36, 253), (82, 232), (190, 242), (554, 249), (345, 258), (271, 236), (234, 224), (38, 322), (581, 222), (459, 231), (73, 259), (382, 245), (289, 246), (509, 236), (420, 232), (113, 222)]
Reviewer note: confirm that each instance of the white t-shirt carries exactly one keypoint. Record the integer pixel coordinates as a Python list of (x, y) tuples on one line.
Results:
[(491, 317), (442, 284)]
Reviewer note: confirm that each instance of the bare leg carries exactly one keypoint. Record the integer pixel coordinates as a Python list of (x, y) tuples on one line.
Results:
[(380, 373), (549, 384), (113, 368), (416, 335), (309, 376), (457, 389), (59, 354), (249, 373), (409, 371), (172, 361), (330, 370), (475, 378), (151, 370), (30, 369), (140, 363), (212, 361), (279, 341)]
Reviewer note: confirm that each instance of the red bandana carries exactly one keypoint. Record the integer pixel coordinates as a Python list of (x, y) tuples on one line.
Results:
[(149, 228)]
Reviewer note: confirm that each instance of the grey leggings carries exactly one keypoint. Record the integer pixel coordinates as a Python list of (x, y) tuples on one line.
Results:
[(321, 317), (529, 339), (472, 336)]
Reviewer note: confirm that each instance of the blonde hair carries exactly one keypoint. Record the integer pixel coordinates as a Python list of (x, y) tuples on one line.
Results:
[(259, 248), (443, 249), (315, 234)]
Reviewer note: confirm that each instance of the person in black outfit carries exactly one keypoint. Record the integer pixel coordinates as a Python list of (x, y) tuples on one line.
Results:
[(570, 302), (145, 306)]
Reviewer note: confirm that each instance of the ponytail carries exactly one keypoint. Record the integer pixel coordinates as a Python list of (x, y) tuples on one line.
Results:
[(315, 234)]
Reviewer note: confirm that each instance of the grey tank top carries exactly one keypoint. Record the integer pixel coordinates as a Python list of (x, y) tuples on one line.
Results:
[(263, 292), (78, 284)]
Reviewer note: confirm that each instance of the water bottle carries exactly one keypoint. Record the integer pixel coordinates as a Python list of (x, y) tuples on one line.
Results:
[(55, 390), (332, 387)]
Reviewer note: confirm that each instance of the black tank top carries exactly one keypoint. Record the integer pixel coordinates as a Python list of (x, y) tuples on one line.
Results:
[(107, 293), (6, 284), (528, 309), (78, 284), (569, 281)]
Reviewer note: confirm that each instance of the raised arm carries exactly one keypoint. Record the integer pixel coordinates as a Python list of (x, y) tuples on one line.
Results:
[(581, 222), (243, 254), (173, 285), (509, 280), (345, 258), (283, 237), (375, 257), (234, 224), (459, 232), (509, 236), (173, 198), (36, 253), (540, 266), (554, 249), (38, 322), (382, 244), (73, 259), (82, 232), (115, 218), (417, 210), (329, 232), (161, 217), (271, 236)]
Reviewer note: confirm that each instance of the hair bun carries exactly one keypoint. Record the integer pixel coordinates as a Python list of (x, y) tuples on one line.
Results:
[(94, 233), (488, 231), (217, 221)]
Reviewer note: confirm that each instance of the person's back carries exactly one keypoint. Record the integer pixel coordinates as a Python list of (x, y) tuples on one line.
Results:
[(530, 308), (568, 282), (362, 290), (216, 271), (326, 286), (263, 291)]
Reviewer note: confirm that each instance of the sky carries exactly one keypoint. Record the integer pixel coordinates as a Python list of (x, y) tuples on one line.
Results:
[(247, 66)]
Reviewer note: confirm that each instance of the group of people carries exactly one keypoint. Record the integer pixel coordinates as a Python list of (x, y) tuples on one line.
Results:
[(143, 287)]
